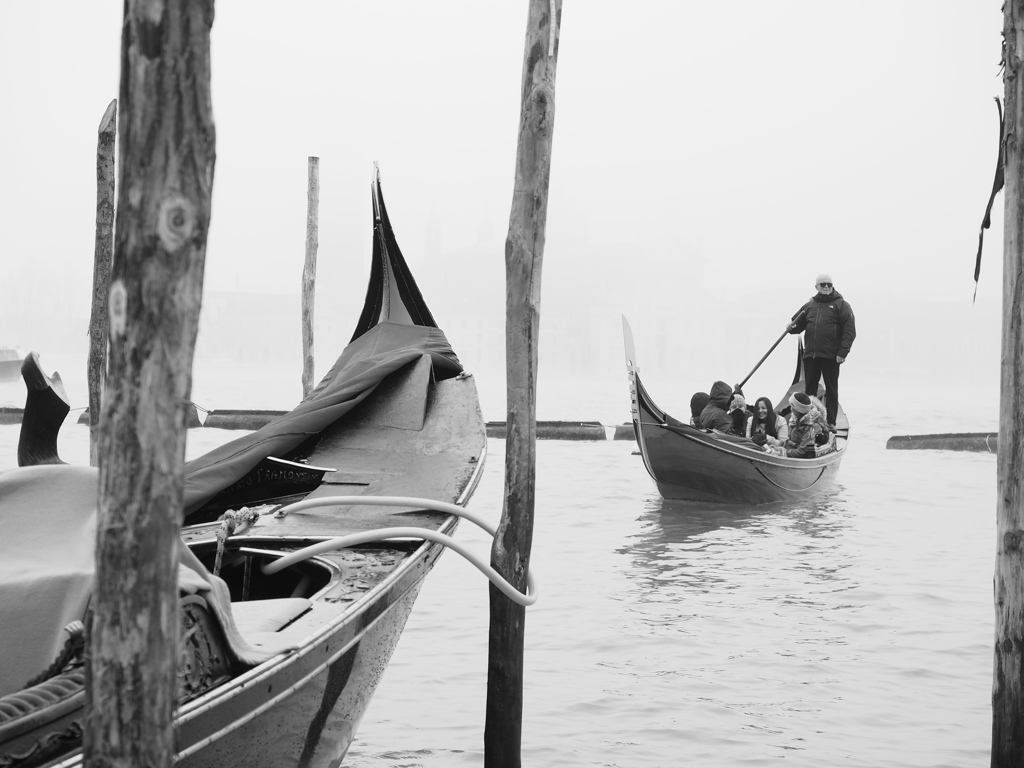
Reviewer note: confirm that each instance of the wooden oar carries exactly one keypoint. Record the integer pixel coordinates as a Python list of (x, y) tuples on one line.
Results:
[(777, 342)]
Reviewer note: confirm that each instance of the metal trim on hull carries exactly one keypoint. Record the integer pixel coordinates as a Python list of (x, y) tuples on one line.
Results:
[(474, 479), (777, 485)]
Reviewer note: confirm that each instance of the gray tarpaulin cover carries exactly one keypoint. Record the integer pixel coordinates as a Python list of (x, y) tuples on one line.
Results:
[(47, 569), (382, 350)]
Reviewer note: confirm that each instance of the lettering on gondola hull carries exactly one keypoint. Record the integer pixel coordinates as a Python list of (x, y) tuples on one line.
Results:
[(260, 477), (268, 481)]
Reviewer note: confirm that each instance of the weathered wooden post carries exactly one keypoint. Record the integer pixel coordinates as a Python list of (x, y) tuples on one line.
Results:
[(103, 252), (1008, 681), (163, 215), (309, 271), (524, 252)]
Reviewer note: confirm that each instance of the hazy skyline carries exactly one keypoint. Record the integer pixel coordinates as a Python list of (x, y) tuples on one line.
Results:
[(707, 157)]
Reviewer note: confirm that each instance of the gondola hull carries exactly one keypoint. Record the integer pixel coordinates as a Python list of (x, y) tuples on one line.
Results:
[(318, 712), (285, 678), (687, 463), (692, 464), (306, 708)]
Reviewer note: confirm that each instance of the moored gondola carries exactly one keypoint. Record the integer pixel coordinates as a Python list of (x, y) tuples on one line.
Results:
[(699, 465), (277, 659)]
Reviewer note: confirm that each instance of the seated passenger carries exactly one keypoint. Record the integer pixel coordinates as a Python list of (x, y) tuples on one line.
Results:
[(697, 403), (765, 427), (714, 415), (820, 417), (738, 412), (804, 427)]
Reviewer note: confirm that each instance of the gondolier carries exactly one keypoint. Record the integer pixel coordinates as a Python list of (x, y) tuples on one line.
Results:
[(829, 329)]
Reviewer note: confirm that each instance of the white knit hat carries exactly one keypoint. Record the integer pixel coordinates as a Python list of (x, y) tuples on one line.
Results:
[(800, 402)]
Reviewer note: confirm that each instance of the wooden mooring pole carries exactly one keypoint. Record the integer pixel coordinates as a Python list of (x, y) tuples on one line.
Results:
[(1008, 680), (103, 252), (309, 270), (524, 252), (163, 215)]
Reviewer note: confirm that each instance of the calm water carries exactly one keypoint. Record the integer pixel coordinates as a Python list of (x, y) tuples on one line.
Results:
[(853, 630)]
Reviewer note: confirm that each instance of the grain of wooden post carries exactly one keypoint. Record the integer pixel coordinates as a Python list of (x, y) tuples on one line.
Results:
[(163, 215), (309, 271), (524, 252), (1008, 680), (103, 252)]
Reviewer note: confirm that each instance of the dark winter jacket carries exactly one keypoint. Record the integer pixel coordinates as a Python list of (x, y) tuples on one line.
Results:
[(714, 415), (828, 324)]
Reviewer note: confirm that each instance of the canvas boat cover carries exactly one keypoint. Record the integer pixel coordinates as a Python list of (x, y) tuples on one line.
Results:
[(364, 363), (47, 570)]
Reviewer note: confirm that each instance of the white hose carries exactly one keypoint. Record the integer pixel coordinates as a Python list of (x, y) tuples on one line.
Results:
[(387, 501), (393, 533)]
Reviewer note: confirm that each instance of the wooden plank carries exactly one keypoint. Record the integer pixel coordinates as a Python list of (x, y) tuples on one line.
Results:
[(163, 215), (524, 256), (240, 419), (103, 252), (981, 442), (557, 430), (309, 270), (1008, 668)]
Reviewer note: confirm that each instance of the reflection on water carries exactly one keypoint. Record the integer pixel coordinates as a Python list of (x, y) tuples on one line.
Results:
[(669, 528), (670, 521), (676, 520)]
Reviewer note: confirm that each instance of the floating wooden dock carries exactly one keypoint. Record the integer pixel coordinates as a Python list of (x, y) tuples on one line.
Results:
[(557, 430), (979, 442), (254, 419), (11, 415)]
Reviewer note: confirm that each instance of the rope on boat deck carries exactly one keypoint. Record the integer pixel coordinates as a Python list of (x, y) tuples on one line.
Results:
[(393, 533), (231, 521)]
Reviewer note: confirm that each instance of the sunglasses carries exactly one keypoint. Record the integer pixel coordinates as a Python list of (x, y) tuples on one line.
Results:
[(825, 285)]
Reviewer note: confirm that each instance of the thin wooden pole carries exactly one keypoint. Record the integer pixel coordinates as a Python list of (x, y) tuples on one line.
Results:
[(309, 271), (103, 252), (1008, 677), (524, 253), (163, 215)]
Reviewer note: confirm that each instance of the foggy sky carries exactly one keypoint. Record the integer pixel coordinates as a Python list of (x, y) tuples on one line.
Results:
[(708, 158)]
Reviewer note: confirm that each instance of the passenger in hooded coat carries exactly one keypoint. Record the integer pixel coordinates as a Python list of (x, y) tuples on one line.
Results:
[(738, 412), (715, 415), (697, 403)]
